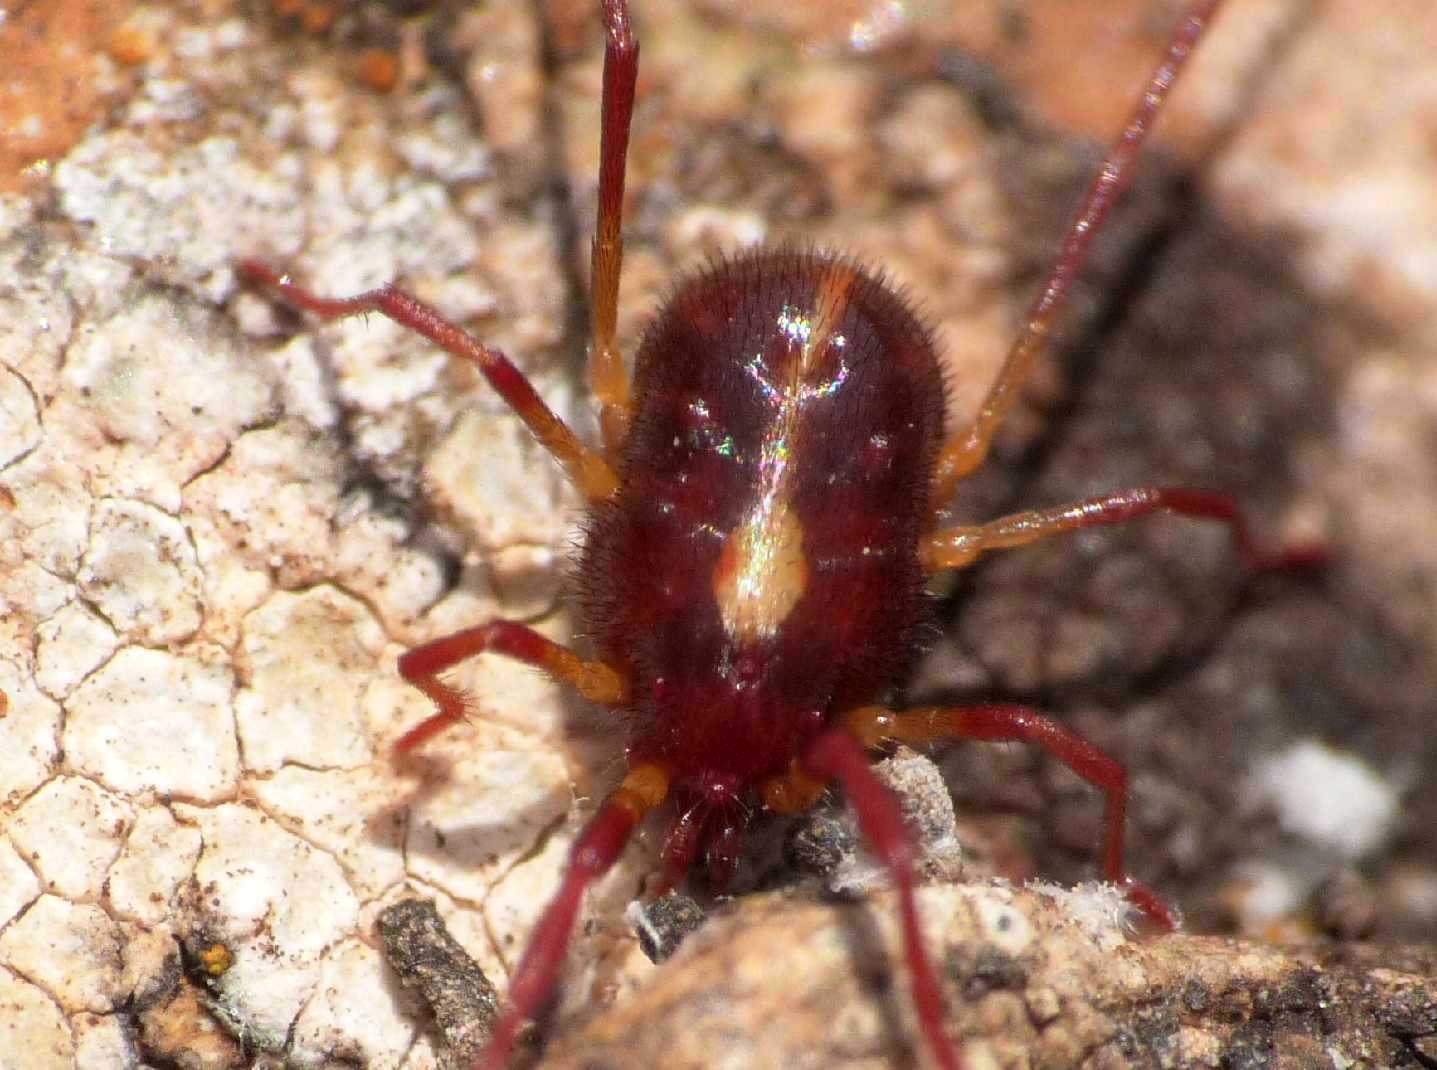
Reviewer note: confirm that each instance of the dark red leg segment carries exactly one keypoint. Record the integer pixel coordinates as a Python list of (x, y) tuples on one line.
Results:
[(421, 666), (874, 725), (836, 755), (1213, 506), (959, 546), (590, 472), (596, 849)]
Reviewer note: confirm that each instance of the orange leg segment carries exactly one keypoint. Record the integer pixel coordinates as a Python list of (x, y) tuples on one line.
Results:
[(590, 472), (421, 666), (958, 547), (874, 725), (607, 377)]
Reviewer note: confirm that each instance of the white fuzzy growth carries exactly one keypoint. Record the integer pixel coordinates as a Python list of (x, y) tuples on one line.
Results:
[(1099, 909), (1328, 797)]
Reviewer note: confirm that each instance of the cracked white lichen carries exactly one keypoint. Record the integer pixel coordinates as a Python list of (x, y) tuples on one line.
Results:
[(158, 855), (74, 951), (453, 840), (277, 902), (350, 813), (482, 474), (307, 659), (151, 721), (353, 1011), (71, 831), (29, 732), (140, 573), (151, 404), (19, 418), (19, 885), (211, 556), (69, 646), (32, 1024)]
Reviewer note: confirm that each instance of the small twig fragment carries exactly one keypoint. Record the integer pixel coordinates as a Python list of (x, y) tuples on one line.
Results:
[(431, 962)]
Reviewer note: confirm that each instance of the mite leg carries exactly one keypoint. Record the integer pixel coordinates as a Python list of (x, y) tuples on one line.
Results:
[(958, 547), (966, 450), (607, 378), (421, 666), (836, 755), (590, 472), (874, 725), (593, 853)]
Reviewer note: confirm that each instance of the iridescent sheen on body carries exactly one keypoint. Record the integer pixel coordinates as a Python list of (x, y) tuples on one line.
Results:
[(759, 566)]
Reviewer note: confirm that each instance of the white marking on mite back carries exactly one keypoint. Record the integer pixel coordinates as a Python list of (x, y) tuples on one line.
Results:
[(762, 571)]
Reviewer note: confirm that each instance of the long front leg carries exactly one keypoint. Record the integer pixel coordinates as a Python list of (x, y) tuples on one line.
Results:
[(875, 725), (421, 666), (958, 547), (967, 449)]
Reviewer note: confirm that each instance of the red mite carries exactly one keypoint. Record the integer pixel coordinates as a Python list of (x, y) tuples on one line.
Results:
[(764, 512)]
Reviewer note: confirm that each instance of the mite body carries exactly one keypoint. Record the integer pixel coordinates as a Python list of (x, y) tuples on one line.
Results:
[(758, 567), (764, 510)]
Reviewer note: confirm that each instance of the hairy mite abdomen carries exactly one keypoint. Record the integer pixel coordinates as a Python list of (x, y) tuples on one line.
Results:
[(759, 561)]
